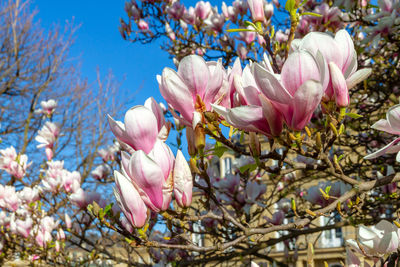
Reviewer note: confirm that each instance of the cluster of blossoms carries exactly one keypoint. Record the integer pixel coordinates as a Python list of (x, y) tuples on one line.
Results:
[(13, 163), (19, 215), (23, 212), (257, 99), (47, 137), (385, 21), (230, 190), (203, 17), (150, 172)]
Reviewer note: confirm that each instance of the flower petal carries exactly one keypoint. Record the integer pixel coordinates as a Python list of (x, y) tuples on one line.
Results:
[(270, 85), (384, 149)]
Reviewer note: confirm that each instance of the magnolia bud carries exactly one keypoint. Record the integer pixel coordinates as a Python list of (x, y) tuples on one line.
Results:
[(254, 144), (199, 137), (190, 140)]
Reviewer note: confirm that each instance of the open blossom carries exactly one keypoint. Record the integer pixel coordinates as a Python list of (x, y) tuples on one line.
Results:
[(29, 195), (152, 175), (390, 125), (129, 200), (13, 163), (341, 58), (48, 107), (53, 178), (9, 198), (256, 113), (376, 240), (297, 92), (82, 198), (71, 181), (108, 154), (202, 9), (196, 80), (143, 126), (101, 172), (47, 137), (23, 227), (315, 196)]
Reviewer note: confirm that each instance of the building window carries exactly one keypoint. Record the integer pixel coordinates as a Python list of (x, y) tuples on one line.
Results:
[(227, 166), (333, 237)]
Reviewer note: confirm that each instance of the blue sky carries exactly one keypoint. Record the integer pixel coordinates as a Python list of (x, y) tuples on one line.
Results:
[(98, 43)]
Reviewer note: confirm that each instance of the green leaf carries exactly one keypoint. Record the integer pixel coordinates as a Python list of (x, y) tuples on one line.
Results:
[(311, 14), (327, 189), (249, 23), (272, 32), (290, 5), (340, 157), (220, 150), (303, 3), (108, 208), (248, 167), (354, 115)]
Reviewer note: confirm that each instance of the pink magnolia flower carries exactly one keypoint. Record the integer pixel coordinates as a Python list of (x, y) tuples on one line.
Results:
[(28, 195), (377, 240), (108, 154), (215, 22), (129, 200), (170, 33), (43, 238), (195, 79), (101, 172), (241, 6), (183, 182), (16, 165), (189, 16), (229, 98), (143, 25), (257, 9), (256, 113), (53, 179), (202, 9), (242, 51), (176, 10), (281, 36), (247, 37), (315, 196), (341, 58), (82, 198), (268, 9), (254, 190), (141, 129), (390, 125), (68, 221), (71, 181), (60, 234), (151, 175), (9, 198), (48, 107), (23, 228), (126, 224), (298, 90), (229, 12), (277, 218), (47, 137)]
